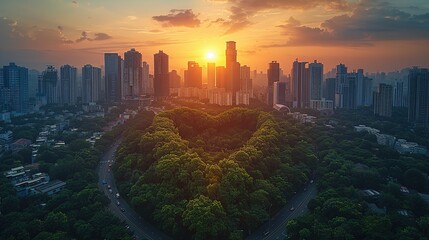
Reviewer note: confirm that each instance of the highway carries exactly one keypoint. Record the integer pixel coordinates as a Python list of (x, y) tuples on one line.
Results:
[(276, 227), (141, 228)]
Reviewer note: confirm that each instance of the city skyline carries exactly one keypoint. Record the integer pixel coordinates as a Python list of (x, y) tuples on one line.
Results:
[(80, 32)]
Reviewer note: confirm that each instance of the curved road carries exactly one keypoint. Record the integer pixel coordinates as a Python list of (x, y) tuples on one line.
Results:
[(276, 227), (141, 228)]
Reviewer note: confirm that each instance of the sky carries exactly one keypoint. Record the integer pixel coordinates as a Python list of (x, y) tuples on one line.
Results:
[(371, 34)]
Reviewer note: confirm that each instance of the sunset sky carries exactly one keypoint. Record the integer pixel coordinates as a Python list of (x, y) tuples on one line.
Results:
[(374, 35)]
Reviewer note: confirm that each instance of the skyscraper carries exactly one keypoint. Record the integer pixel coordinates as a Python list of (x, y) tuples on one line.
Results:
[(132, 74), (418, 93), (232, 76), (330, 89), (300, 85), (383, 101), (220, 77), (33, 86), (211, 75), (316, 79), (161, 81), (68, 83), (194, 75), (113, 77), (91, 82), (174, 79), (273, 75), (246, 80), (279, 96), (146, 81), (341, 85), (15, 79), (48, 85)]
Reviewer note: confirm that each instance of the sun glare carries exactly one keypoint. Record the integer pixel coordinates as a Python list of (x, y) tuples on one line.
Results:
[(211, 56)]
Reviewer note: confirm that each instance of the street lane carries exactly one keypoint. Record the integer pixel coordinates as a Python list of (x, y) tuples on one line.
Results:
[(141, 228), (276, 227)]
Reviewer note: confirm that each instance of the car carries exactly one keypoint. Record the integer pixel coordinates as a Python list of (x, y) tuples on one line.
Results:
[(122, 209), (118, 203), (117, 195), (292, 209), (311, 181), (108, 186), (110, 191), (110, 165), (266, 233), (108, 170), (127, 227), (104, 182)]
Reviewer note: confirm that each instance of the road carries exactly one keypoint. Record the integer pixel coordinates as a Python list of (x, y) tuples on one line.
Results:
[(276, 227), (141, 228)]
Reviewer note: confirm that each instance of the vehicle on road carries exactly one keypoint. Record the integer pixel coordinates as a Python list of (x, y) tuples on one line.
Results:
[(117, 195), (118, 203), (104, 182), (108, 186), (122, 209), (110, 191), (266, 233), (311, 181), (292, 209)]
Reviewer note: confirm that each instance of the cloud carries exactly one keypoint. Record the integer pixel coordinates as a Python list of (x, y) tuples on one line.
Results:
[(97, 37), (101, 36), (179, 18), (75, 3), (238, 20), (131, 18), (363, 27), (242, 10), (20, 36)]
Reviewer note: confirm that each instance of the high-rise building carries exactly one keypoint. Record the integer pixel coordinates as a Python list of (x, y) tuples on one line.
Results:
[(273, 75), (400, 95), (300, 85), (146, 81), (132, 74), (48, 85), (341, 85), (33, 86), (246, 80), (279, 96), (211, 75), (193, 76), (220, 77), (232, 76), (174, 79), (161, 81), (113, 77), (91, 83), (330, 89), (383, 101), (68, 82), (15, 79), (316, 79), (418, 93)]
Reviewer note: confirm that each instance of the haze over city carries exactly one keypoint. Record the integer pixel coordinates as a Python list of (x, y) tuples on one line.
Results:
[(373, 35)]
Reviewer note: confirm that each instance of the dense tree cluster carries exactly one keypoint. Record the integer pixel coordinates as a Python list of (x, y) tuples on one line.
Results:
[(349, 163), (212, 177)]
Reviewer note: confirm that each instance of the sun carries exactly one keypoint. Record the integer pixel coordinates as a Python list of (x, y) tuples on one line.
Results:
[(211, 56)]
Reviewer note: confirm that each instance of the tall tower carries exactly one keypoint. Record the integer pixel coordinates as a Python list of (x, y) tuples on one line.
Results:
[(383, 100), (48, 85), (132, 74), (91, 82), (15, 79), (273, 75), (418, 92), (232, 77), (113, 77), (300, 85), (68, 84), (194, 75), (147, 87), (211, 75), (161, 81), (316, 79)]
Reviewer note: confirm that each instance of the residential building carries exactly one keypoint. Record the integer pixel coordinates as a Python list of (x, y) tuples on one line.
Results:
[(161, 81)]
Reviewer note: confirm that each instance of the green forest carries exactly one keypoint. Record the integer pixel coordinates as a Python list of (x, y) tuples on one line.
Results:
[(351, 162), (218, 176)]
